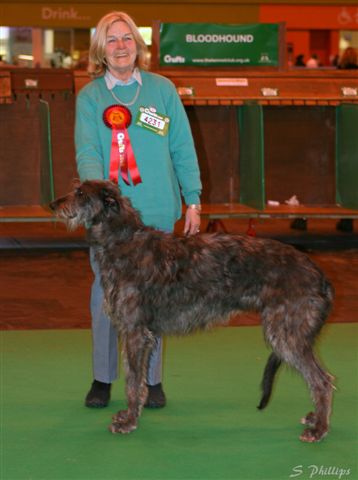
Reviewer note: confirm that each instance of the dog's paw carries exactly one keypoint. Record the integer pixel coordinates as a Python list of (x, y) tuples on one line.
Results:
[(123, 422), (309, 419), (125, 427), (311, 435)]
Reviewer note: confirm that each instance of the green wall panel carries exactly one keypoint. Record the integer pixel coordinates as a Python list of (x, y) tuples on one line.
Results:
[(46, 168), (347, 155), (251, 145)]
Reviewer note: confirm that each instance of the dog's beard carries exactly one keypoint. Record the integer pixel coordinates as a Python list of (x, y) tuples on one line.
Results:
[(73, 223), (72, 217)]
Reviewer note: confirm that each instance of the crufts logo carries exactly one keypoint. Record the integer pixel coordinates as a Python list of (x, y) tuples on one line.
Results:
[(178, 59)]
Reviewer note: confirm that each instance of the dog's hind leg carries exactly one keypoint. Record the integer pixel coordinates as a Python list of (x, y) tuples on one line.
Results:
[(291, 338), (137, 346), (320, 385)]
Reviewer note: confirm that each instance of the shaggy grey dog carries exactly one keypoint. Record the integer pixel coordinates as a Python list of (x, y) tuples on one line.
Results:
[(157, 283)]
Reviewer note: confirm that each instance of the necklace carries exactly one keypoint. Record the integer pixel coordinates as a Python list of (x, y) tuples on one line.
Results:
[(134, 99)]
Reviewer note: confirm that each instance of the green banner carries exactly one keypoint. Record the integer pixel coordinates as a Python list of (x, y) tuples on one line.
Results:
[(213, 44)]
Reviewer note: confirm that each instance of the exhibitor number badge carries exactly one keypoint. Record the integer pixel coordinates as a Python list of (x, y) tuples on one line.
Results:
[(150, 119)]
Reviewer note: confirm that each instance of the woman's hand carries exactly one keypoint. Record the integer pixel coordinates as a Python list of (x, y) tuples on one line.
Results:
[(192, 220)]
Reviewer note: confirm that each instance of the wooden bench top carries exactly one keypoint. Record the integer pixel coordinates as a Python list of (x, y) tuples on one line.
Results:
[(37, 213), (25, 213), (300, 87), (233, 210)]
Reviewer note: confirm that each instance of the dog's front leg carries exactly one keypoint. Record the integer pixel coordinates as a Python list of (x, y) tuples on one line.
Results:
[(136, 348)]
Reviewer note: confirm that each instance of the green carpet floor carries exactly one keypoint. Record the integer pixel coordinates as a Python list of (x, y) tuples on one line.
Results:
[(210, 428)]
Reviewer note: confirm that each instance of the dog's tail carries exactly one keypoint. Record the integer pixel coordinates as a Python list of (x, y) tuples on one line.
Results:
[(272, 365)]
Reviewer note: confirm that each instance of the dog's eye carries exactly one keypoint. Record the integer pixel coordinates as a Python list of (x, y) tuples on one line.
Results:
[(79, 192)]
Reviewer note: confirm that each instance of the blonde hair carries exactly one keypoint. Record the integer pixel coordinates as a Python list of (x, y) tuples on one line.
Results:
[(96, 62)]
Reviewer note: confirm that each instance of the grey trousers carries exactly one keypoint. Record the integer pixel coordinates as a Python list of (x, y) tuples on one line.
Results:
[(105, 340)]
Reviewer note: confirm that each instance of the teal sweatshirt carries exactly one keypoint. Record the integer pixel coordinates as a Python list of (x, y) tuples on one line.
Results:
[(167, 164)]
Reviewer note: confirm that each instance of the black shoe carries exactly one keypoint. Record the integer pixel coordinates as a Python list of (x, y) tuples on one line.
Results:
[(99, 395), (156, 397), (299, 224), (345, 225)]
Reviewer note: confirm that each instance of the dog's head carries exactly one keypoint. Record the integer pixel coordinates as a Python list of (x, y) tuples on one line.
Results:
[(91, 203)]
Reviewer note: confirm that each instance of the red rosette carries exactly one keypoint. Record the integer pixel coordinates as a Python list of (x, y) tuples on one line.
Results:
[(122, 160), (117, 117)]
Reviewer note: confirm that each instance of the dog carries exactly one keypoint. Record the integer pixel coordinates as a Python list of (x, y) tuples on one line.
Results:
[(157, 283)]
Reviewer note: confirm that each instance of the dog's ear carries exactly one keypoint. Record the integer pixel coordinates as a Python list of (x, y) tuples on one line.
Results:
[(110, 200)]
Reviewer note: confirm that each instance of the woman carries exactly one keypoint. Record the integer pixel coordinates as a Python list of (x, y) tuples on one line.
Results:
[(131, 127)]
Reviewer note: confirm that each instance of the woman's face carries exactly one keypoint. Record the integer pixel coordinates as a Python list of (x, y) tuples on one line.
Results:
[(120, 50)]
